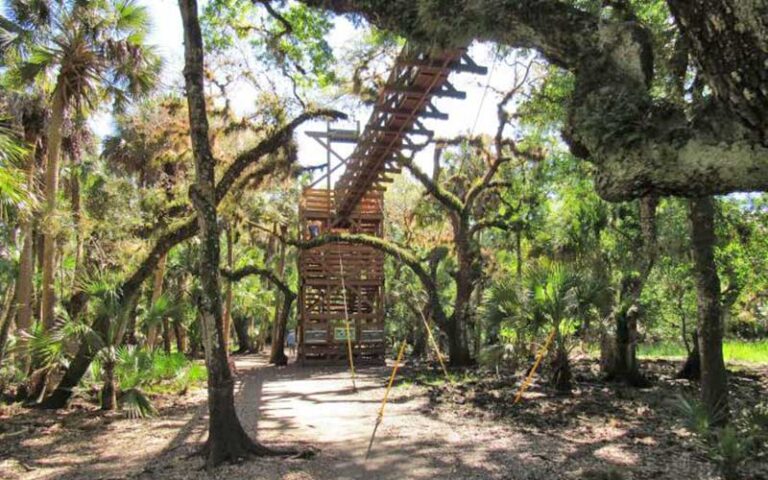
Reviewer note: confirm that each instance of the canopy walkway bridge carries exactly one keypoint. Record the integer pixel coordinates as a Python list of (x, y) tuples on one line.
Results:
[(341, 285)]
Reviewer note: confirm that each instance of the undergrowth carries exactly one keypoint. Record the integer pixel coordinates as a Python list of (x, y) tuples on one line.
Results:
[(141, 373)]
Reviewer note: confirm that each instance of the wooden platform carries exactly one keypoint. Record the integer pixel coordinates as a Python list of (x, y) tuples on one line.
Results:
[(340, 281)]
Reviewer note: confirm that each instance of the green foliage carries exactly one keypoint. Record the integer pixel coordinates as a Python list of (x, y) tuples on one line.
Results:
[(294, 39), (551, 295), (729, 446), (136, 404), (547, 107), (96, 49), (51, 346), (14, 194), (733, 351), (140, 372)]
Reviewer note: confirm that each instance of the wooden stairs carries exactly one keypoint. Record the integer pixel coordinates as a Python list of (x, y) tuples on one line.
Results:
[(355, 205)]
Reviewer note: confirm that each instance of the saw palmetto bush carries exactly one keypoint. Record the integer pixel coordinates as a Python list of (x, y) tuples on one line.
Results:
[(728, 444), (550, 296), (139, 373)]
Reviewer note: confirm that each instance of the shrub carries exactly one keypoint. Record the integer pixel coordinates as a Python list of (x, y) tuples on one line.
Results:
[(729, 446)]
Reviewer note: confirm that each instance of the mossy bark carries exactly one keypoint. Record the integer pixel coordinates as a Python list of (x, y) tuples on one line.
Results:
[(227, 440), (639, 144)]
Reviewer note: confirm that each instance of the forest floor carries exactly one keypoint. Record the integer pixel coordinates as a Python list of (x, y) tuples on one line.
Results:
[(431, 429)]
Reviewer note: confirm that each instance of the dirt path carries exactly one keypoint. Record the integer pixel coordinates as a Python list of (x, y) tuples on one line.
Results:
[(316, 407)]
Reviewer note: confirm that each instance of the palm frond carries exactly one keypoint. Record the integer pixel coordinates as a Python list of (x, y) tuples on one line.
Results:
[(136, 404)]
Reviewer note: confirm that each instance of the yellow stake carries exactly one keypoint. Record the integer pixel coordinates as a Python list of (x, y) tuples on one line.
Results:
[(539, 357), (437, 350), (380, 416), (346, 323)]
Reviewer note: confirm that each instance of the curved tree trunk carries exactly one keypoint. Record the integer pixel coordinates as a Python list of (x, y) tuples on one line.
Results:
[(227, 441), (277, 355), (714, 382)]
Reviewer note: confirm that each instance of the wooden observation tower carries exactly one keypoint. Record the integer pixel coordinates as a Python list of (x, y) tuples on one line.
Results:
[(341, 285)]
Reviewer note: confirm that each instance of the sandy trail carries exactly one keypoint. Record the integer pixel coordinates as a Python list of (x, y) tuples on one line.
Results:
[(318, 404), (316, 407)]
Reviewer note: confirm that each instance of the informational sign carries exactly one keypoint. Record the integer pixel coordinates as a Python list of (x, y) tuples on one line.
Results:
[(372, 335), (315, 336), (340, 333)]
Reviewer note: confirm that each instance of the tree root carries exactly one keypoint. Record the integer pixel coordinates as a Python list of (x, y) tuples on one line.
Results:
[(244, 449)]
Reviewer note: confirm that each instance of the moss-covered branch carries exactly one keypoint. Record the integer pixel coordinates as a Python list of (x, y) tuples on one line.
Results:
[(269, 275), (446, 198), (639, 144)]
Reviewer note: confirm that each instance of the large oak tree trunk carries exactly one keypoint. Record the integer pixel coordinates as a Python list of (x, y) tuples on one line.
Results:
[(659, 147), (282, 313), (277, 355), (55, 128), (242, 329), (714, 382), (227, 440)]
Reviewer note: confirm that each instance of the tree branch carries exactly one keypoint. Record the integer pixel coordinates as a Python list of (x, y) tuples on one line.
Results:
[(240, 273), (274, 141), (446, 198)]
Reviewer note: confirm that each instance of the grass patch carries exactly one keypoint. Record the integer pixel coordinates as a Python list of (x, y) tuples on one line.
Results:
[(733, 351)]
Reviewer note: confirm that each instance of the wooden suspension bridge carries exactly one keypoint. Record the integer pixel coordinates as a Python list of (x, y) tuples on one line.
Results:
[(341, 285)]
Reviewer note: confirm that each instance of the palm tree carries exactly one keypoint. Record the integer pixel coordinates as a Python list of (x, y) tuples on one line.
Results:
[(89, 52), (29, 120)]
